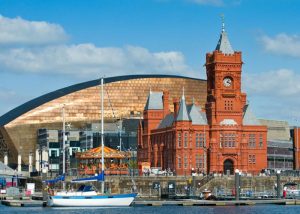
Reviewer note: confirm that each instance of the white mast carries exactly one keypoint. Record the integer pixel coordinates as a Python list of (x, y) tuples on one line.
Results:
[(102, 135), (64, 144)]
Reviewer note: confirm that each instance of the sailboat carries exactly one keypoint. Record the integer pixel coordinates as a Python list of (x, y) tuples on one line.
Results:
[(86, 195)]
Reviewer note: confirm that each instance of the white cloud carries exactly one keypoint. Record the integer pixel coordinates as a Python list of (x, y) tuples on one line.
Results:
[(282, 44), (274, 93), (19, 31), (39, 47), (87, 59), (280, 83)]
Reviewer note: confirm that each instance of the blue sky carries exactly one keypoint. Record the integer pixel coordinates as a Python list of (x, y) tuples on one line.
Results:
[(46, 45)]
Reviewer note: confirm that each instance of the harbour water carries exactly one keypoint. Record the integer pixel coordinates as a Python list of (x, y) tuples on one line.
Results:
[(261, 209)]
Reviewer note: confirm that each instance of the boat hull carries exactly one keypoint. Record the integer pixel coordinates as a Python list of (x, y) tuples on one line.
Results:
[(92, 201)]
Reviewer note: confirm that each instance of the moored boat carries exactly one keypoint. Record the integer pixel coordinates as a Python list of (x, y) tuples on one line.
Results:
[(87, 197)]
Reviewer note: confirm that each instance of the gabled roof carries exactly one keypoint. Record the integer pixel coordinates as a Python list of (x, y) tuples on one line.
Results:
[(154, 101), (197, 117), (249, 118), (224, 44), (182, 112)]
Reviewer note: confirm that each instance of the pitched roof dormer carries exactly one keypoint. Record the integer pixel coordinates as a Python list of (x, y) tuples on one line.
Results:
[(154, 101)]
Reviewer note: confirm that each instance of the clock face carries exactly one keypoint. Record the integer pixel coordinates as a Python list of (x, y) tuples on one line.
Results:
[(227, 82)]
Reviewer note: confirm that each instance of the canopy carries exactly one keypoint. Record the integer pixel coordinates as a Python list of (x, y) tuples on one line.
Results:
[(99, 177), (108, 153), (53, 181)]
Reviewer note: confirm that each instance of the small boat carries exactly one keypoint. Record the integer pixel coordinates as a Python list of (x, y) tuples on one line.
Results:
[(90, 199), (87, 196)]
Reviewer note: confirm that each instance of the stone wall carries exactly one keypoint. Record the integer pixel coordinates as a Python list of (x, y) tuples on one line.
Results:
[(145, 184)]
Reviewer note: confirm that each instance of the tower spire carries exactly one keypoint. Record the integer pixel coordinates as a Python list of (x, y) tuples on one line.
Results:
[(223, 43)]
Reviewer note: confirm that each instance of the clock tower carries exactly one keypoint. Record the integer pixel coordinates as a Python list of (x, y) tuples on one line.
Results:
[(225, 100), (225, 107)]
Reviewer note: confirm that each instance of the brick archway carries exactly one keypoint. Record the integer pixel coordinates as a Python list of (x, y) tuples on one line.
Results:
[(228, 164)]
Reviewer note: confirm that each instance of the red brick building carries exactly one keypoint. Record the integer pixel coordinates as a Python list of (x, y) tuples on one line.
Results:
[(223, 136)]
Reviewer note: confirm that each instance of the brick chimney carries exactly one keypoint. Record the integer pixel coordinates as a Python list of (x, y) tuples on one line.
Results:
[(176, 107), (166, 103)]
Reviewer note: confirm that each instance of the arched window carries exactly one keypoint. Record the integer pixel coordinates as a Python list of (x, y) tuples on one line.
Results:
[(185, 161), (179, 162), (185, 140), (179, 140)]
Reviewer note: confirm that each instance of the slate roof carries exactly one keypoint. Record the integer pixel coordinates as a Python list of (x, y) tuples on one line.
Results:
[(154, 101), (186, 113), (197, 116), (167, 121), (249, 118), (182, 112), (224, 44)]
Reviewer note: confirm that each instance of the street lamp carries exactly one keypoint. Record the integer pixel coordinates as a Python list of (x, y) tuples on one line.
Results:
[(237, 184), (278, 183), (120, 135)]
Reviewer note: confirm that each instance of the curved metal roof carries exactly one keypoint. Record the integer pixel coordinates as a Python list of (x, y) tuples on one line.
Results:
[(22, 109)]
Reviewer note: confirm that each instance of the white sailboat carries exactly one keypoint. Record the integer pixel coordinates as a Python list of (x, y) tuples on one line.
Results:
[(86, 195)]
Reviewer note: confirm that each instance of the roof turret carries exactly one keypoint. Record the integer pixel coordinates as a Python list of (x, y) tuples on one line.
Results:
[(182, 112)]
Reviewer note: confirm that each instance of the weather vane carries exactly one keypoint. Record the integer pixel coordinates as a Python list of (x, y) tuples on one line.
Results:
[(223, 21)]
